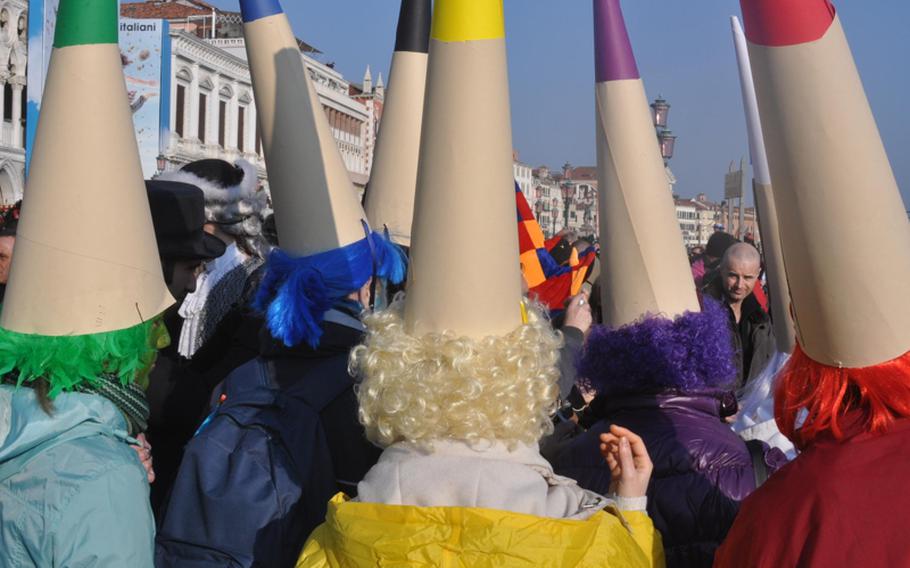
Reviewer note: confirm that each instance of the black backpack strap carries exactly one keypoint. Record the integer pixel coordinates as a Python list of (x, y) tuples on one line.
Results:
[(759, 466)]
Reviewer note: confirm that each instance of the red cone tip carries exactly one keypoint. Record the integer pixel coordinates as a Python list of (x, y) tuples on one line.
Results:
[(778, 23)]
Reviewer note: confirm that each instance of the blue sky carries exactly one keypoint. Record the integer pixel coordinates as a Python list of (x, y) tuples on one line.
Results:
[(684, 51)]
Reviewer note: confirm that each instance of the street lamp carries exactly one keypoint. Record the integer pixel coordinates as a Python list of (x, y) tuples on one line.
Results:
[(667, 144), (161, 162), (566, 199), (660, 111), (538, 211)]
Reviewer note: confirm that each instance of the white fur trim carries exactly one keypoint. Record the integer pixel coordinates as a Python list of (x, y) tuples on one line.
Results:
[(215, 193)]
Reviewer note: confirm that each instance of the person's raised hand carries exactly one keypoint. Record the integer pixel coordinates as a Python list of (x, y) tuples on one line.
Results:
[(630, 464), (144, 451), (578, 313)]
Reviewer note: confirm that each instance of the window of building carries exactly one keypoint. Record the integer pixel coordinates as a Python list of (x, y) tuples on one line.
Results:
[(179, 126), (241, 129), (7, 102), (203, 112), (222, 121)]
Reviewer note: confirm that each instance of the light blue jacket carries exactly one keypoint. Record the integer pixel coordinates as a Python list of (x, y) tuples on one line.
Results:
[(72, 491)]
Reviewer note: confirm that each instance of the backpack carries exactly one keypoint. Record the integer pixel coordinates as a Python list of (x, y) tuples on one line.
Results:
[(256, 478)]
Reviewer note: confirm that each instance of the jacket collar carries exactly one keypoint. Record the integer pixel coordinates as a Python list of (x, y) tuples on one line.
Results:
[(341, 332), (25, 426), (705, 402), (487, 475)]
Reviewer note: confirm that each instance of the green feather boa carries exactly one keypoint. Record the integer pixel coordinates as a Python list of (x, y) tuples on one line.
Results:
[(70, 361)]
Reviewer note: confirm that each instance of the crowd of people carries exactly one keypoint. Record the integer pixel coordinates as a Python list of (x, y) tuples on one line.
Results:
[(229, 376)]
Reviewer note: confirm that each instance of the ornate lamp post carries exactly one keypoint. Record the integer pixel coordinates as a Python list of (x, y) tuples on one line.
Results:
[(567, 194), (667, 144), (660, 110), (538, 211)]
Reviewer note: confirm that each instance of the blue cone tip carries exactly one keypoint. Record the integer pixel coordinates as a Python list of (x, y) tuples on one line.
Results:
[(252, 10)]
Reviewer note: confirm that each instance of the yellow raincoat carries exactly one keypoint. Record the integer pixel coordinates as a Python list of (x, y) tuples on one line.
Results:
[(367, 535)]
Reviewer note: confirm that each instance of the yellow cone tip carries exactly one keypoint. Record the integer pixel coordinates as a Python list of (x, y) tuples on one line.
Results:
[(468, 20)]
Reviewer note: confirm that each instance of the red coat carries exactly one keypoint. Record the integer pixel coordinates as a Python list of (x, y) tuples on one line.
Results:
[(837, 504)]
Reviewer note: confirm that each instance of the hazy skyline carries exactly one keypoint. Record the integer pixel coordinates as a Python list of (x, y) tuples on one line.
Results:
[(684, 52)]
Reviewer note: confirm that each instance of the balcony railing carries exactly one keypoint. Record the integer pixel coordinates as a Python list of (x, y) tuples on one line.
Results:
[(6, 136)]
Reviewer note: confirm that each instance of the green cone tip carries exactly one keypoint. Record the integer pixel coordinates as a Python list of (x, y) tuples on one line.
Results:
[(86, 22)]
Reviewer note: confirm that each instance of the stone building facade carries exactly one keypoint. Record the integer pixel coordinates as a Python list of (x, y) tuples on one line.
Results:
[(13, 62), (213, 111)]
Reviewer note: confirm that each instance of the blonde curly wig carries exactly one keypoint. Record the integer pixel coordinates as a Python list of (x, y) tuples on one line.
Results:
[(442, 386)]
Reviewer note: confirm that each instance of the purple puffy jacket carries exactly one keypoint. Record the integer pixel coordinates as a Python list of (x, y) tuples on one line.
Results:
[(702, 470)]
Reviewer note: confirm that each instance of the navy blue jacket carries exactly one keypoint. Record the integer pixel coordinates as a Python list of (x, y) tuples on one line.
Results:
[(257, 478), (702, 470)]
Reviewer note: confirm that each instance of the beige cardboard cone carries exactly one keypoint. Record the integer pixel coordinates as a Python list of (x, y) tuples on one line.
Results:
[(86, 261), (316, 205), (784, 332), (843, 226), (390, 197), (644, 265), (453, 284)]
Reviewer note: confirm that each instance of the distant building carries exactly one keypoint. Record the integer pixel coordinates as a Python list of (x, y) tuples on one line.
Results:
[(545, 199), (749, 229), (213, 111), (13, 62), (560, 201), (687, 214), (373, 98), (580, 196), (708, 216), (524, 177)]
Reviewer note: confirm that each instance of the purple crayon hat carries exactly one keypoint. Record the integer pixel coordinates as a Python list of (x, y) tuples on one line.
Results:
[(613, 58)]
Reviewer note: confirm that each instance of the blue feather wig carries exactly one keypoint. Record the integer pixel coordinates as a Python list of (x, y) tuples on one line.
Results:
[(296, 293)]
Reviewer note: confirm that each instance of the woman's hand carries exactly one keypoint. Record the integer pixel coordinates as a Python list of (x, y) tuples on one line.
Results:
[(630, 464), (144, 450), (578, 313)]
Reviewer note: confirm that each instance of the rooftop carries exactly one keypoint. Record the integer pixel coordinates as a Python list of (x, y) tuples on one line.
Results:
[(227, 23), (582, 173)]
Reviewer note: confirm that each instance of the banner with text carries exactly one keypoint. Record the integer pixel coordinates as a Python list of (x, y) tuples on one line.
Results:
[(145, 52)]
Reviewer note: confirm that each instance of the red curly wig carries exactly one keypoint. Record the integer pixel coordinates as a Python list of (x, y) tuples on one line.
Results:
[(827, 393)]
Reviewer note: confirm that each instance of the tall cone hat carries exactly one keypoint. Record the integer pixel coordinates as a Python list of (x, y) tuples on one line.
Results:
[(466, 128), (784, 333), (463, 336), (316, 206), (644, 266), (390, 196), (654, 336), (843, 226), (86, 261), (327, 247)]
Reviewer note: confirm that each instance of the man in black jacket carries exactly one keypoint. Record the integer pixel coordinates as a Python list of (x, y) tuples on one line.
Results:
[(753, 335)]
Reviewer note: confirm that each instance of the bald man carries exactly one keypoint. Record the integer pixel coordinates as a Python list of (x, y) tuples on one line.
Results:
[(736, 280)]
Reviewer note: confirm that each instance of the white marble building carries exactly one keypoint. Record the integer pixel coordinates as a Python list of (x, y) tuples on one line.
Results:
[(213, 114), (13, 60)]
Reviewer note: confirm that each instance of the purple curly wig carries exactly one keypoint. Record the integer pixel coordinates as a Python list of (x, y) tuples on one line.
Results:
[(692, 353)]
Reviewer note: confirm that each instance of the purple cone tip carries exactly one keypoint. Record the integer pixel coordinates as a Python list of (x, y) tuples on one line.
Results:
[(613, 57)]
